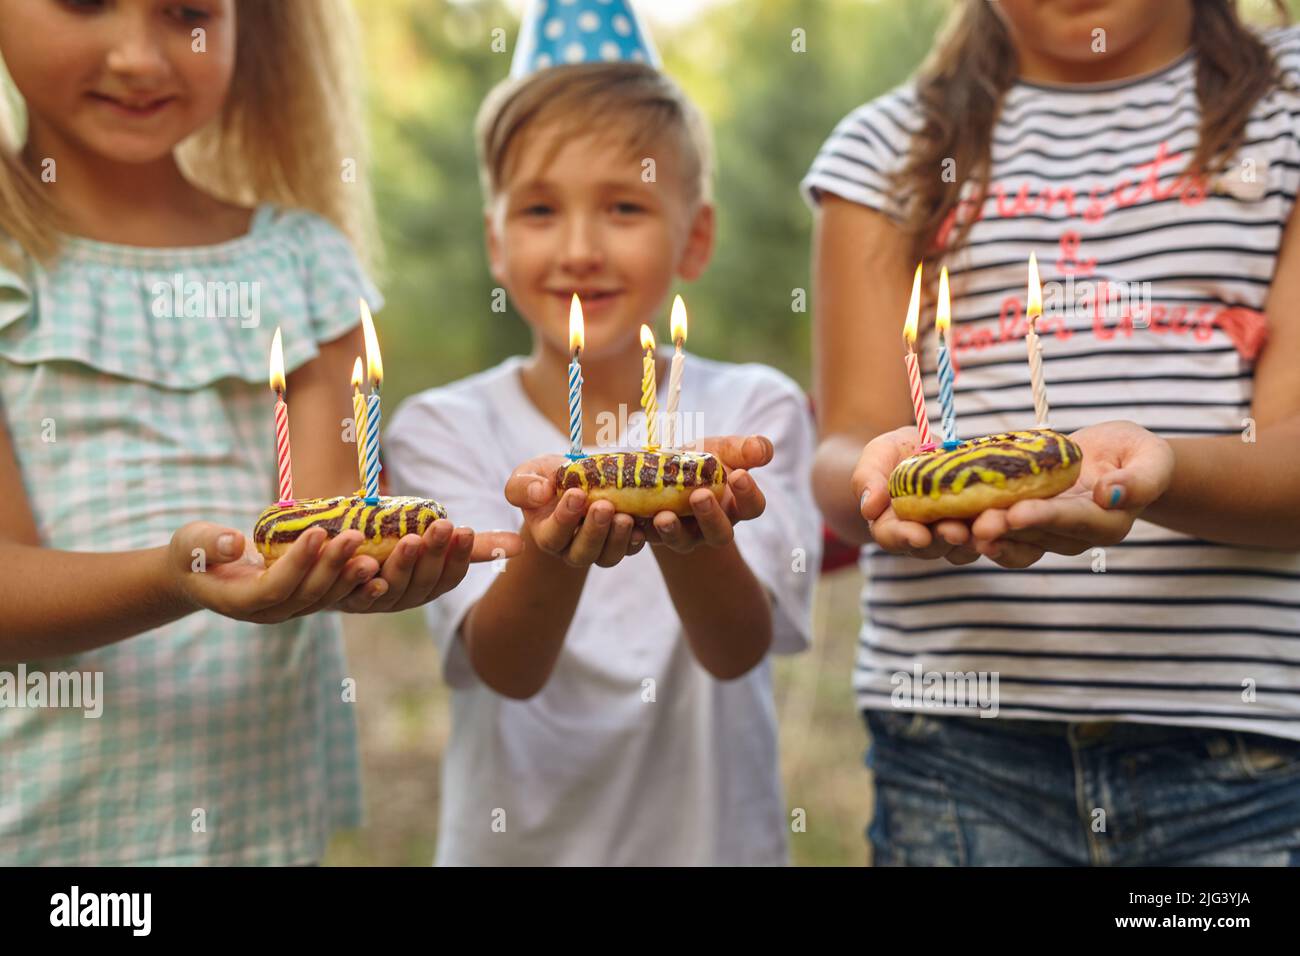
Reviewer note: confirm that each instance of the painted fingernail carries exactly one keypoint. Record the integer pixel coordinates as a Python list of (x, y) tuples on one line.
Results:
[(1116, 495), (862, 502)]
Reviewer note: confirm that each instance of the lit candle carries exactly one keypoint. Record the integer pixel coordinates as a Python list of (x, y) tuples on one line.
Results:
[(359, 421), (649, 402), (943, 322), (375, 372), (678, 325), (913, 371), (575, 379), (282, 456), (1034, 309)]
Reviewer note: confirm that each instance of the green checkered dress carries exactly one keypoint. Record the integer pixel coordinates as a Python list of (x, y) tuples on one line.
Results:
[(221, 742)]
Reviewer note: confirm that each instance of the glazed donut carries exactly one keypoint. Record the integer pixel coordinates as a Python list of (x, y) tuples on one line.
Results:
[(991, 472), (643, 483), (383, 524)]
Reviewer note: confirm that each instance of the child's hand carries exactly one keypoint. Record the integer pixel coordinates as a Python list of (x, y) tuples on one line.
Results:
[(950, 538), (236, 582), (557, 524), (422, 568), (712, 523), (219, 569), (1125, 469)]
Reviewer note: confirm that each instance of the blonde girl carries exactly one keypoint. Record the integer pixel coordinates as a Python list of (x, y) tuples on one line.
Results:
[(177, 180)]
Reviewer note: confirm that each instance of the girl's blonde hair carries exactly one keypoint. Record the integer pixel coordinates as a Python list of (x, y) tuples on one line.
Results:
[(290, 131), (973, 63)]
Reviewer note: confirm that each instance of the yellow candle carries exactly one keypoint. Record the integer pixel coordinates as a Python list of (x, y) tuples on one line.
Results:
[(359, 422), (675, 372), (649, 402)]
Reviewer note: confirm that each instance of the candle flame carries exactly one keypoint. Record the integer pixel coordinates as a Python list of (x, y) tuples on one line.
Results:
[(357, 377), (277, 363), (678, 322), (943, 312), (647, 338), (374, 364), (913, 309), (1034, 305), (576, 329)]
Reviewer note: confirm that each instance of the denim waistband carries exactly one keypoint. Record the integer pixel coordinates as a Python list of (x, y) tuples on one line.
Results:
[(1118, 731)]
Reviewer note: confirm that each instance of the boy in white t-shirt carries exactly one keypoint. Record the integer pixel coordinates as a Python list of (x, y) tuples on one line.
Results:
[(620, 714)]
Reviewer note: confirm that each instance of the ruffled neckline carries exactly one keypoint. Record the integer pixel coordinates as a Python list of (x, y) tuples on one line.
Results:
[(82, 249), (186, 317)]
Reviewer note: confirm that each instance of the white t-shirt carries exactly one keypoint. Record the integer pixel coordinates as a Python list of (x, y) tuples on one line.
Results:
[(632, 753), (1164, 627)]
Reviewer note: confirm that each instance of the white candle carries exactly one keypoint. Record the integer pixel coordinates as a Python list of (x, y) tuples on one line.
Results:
[(675, 371), (1034, 309)]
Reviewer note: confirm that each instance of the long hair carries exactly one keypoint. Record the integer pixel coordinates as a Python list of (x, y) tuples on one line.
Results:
[(961, 84), (290, 131)]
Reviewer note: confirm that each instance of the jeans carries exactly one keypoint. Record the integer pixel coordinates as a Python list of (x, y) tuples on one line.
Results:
[(970, 791)]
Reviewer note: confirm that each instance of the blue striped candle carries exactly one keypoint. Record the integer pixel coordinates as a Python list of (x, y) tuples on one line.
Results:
[(372, 445), (943, 322), (575, 379), (375, 371), (575, 408), (945, 396)]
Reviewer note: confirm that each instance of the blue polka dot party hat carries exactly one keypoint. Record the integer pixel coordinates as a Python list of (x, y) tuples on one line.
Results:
[(562, 32)]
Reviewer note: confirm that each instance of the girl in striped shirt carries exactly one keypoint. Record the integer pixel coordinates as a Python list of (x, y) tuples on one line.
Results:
[(1137, 639)]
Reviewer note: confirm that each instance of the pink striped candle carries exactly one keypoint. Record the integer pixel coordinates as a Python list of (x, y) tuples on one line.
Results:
[(284, 460), (913, 368)]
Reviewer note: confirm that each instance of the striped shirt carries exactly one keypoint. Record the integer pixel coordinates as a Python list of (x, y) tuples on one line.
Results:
[(1154, 296)]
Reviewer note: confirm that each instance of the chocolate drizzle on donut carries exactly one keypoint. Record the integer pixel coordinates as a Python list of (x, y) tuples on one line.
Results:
[(390, 518), (993, 460), (644, 469)]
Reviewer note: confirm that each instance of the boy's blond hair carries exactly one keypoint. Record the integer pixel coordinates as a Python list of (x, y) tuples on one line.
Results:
[(291, 120), (635, 102)]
